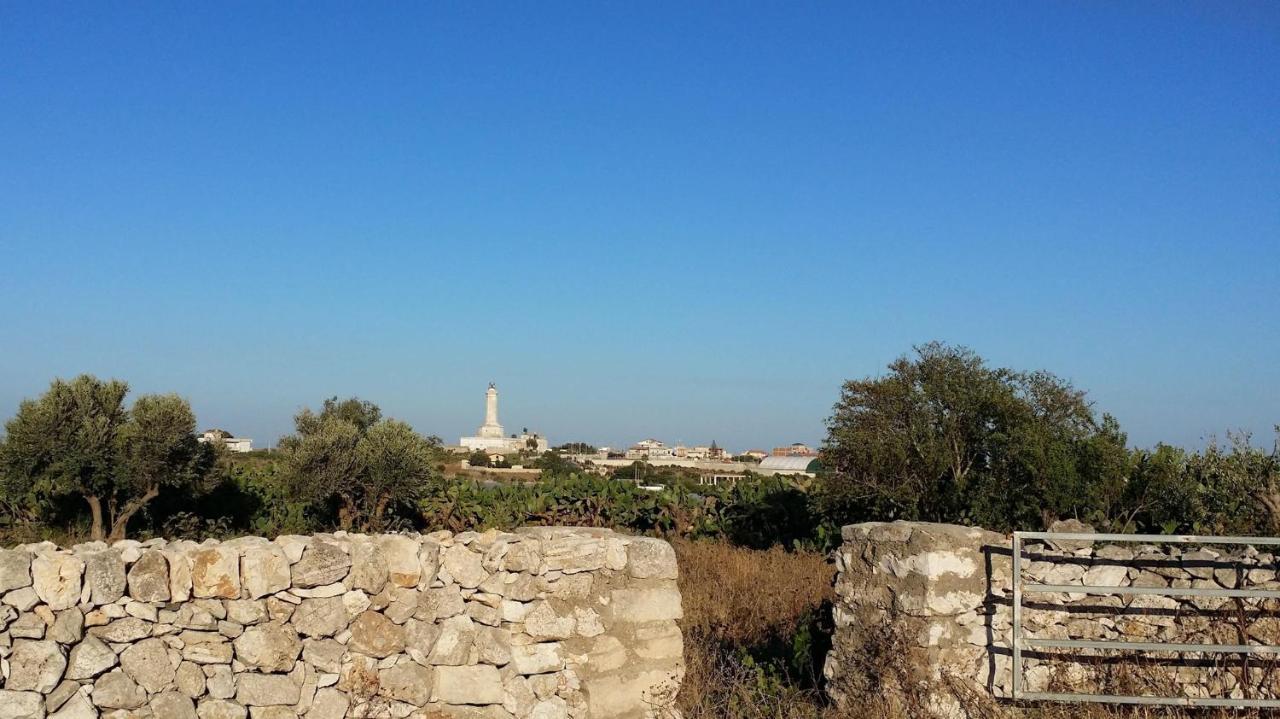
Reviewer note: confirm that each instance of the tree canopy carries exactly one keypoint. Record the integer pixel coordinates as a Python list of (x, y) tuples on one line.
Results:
[(945, 437), (347, 453), (79, 439)]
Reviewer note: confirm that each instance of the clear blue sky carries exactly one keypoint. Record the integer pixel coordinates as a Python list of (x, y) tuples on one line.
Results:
[(688, 220)]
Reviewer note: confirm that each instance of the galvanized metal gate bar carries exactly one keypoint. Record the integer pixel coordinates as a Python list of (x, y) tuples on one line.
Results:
[(1018, 642)]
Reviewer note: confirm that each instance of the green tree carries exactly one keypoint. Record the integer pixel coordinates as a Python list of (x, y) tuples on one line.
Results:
[(79, 439), (322, 461), (157, 450), (399, 464), (348, 453), (478, 458), (945, 437), (65, 443), (357, 412)]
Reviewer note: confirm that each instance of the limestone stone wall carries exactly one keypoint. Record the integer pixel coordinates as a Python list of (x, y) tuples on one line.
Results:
[(936, 600), (542, 623)]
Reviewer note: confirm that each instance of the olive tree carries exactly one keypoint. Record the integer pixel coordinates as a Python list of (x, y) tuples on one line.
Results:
[(158, 450), (398, 465), (347, 453), (79, 439)]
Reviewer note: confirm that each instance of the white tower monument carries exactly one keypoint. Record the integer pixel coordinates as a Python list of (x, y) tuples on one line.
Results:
[(490, 437), (491, 428)]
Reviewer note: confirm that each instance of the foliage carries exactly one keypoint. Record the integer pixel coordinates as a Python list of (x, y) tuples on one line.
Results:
[(348, 455), (762, 512), (574, 499), (398, 463), (944, 437), (79, 439), (553, 463), (158, 450)]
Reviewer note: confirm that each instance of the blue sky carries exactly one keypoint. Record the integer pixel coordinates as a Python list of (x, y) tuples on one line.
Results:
[(688, 220)]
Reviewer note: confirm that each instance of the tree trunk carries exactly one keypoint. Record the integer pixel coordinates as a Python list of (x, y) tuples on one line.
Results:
[(121, 522), (95, 509), (378, 510), (1270, 499), (346, 514)]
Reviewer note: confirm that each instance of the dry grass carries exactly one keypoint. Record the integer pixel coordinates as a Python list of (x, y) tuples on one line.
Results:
[(748, 596), (741, 605), (742, 608)]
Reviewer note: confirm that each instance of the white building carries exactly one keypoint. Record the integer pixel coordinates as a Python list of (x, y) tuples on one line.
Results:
[(223, 437), (649, 449), (491, 438)]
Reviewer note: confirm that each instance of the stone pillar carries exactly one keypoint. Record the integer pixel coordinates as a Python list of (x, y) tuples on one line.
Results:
[(491, 429), (491, 406), (916, 618)]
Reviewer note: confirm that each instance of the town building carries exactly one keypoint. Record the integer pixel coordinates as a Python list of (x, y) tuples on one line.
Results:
[(492, 439), (225, 438), (756, 454), (649, 449), (798, 449)]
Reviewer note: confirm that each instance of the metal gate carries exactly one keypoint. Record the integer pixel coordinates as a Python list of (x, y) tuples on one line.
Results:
[(1021, 642)]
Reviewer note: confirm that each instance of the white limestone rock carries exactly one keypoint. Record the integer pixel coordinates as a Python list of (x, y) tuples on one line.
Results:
[(407, 682), (104, 576), (214, 708), (147, 663), (149, 577), (322, 563), (57, 579), (649, 558), (115, 690), (453, 643), (173, 705), (35, 666), (269, 647), (215, 573), (541, 658), (468, 685), (261, 690), (90, 658), (648, 604), (264, 570), (15, 570), (21, 705), (465, 566), (77, 706), (328, 704), (322, 617)]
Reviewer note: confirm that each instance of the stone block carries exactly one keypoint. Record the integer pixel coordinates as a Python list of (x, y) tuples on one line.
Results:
[(468, 685), (215, 573), (649, 558), (260, 690), (322, 563), (35, 666), (57, 579), (650, 604)]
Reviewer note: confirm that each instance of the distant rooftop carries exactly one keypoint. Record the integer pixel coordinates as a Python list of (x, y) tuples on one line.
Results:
[(792, 464)]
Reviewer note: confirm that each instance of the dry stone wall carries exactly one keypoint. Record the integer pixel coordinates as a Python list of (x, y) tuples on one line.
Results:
[(926, 609), (541, 623)]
